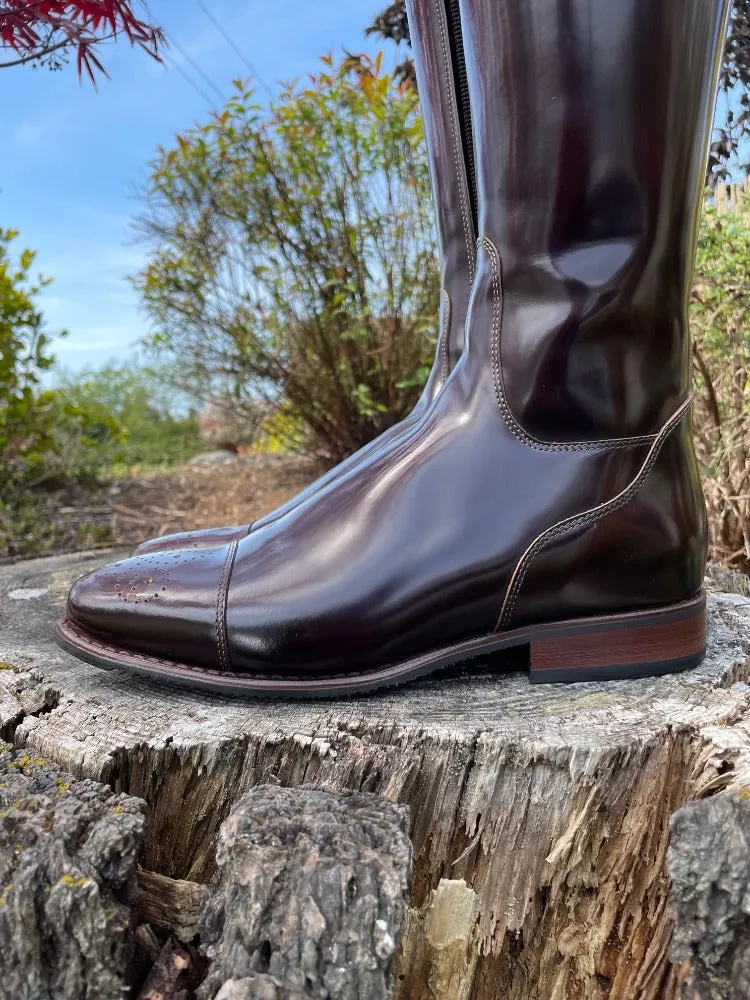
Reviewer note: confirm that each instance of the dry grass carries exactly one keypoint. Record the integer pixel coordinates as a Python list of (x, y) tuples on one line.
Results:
[(724, 455), (720, 321), (143, 506)]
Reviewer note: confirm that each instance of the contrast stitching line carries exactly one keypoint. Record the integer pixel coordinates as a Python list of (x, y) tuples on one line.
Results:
[(510, 421), (586, 518), (457, 158), (222, 596), (444, 333)]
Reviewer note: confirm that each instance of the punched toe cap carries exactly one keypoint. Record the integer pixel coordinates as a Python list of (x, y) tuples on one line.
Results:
[(192, 539), (160, 604)]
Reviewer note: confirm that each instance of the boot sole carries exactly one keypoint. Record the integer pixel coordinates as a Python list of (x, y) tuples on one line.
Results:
[(611, 647)]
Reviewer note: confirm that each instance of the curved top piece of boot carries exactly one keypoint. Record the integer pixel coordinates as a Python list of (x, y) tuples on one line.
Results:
[(550, 493), (441, 78)]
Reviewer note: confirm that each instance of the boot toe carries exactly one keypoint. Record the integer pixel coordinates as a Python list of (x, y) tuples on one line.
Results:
[(160, 604), (192, 539)]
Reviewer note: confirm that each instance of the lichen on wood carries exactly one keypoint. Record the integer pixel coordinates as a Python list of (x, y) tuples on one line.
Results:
[(67, 849)]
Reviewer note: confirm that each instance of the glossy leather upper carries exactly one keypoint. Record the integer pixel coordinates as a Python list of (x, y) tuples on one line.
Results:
[(414, 547), (651, 551), (196, 539), (592, 122), (563, 420), (431, 45)]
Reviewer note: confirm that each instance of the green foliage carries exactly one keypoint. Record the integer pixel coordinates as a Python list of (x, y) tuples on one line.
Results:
[(292, 253), (720, 322), (282, 431), (27, 415), (128, 417), (51, 439)]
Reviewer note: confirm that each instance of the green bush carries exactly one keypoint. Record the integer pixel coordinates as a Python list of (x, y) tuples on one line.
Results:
[(720, 322), (28, 415), (292, 253), (128, 415)]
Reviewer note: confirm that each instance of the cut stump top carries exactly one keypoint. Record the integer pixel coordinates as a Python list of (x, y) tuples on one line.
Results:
[(97, 712), (437, 745)]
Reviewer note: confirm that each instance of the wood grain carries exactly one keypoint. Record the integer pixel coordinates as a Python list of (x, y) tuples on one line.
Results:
[(658, 642), (540, 816)]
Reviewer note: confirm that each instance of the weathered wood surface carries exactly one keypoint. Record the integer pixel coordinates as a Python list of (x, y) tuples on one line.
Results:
[(259, 986), (540, 817), (169, 979), (67, 850), (309, 901), (173, 905), (311, 893), (709, 862)]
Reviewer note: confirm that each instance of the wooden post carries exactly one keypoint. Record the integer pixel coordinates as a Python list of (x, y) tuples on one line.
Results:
[(540, 816)]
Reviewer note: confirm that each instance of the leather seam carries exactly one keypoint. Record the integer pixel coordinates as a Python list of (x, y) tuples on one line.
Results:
[(509, 420), (457, 157), (586, 518), (445, 360), (222, 595)]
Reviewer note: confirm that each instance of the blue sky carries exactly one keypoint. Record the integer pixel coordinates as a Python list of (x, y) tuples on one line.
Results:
[(73, 158)]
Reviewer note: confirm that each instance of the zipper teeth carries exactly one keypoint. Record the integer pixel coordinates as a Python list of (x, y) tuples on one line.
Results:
[(464, 103)]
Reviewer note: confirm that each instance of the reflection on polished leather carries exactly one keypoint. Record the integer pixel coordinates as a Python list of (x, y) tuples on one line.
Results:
[(563, 430)]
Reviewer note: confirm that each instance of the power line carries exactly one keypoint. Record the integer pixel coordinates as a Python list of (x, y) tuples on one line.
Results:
[(189, 59), (201, 93), (230, 41)]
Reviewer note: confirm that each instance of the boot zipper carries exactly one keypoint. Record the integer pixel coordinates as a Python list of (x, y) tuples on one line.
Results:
[(462, 98)]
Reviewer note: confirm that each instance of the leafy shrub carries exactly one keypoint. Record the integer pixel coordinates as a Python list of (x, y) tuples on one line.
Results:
[(720, 319), (293, 253), (128, 413), (27, 414)]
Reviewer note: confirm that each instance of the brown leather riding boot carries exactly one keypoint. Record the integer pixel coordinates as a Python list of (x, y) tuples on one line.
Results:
[(441, 79), (549, 495)]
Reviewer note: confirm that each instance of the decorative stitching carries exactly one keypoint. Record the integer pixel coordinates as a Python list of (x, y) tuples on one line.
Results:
[(444, 334), (510, 421), (457, 157), (586, 518), (222, 595)]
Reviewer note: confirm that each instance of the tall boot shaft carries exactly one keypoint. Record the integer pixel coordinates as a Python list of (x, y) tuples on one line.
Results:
[(591, 127), (440, 70)]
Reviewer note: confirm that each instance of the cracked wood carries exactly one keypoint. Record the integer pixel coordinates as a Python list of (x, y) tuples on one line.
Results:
[(540, 817)]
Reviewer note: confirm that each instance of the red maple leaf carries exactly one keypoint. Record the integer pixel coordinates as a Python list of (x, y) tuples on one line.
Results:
[(35, 28)]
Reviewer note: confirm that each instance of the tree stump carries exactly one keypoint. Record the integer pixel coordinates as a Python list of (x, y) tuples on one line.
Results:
[(67, 849), (709, 864), (311, 895), (540, 816)]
